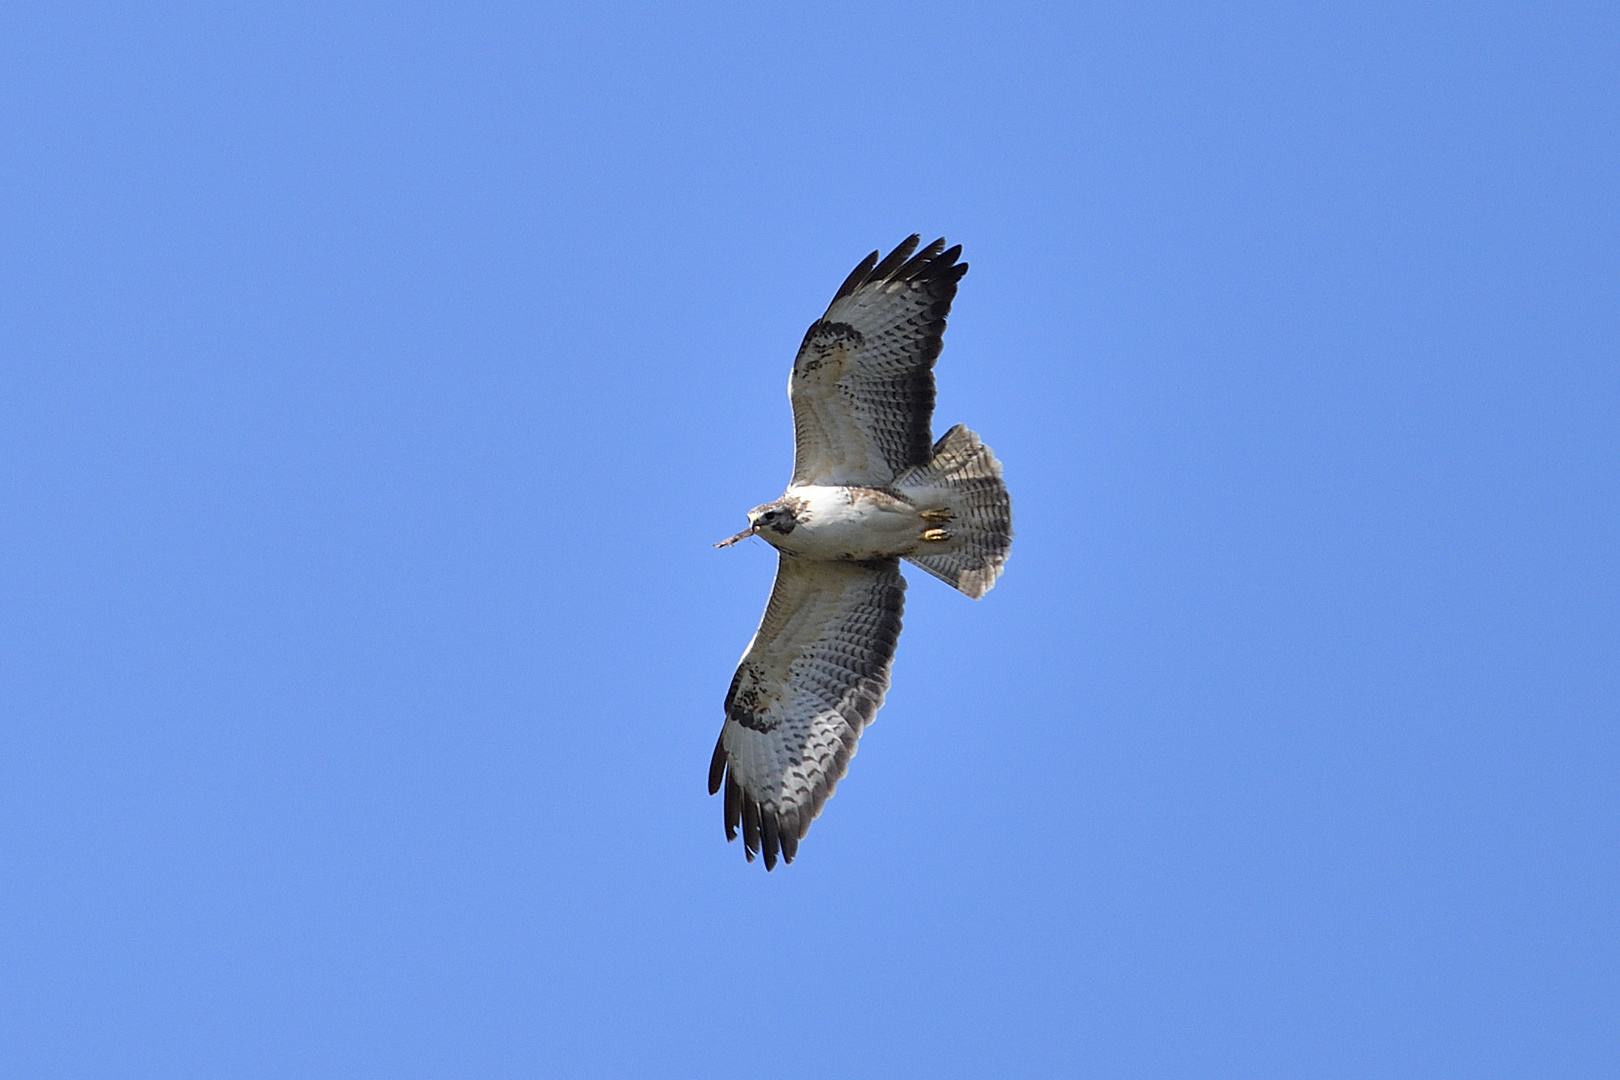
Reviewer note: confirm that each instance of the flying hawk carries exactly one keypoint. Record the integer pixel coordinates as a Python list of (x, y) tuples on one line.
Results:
[(869, 487)]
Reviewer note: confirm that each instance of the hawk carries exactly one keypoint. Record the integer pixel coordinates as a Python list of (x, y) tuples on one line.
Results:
[(870, 487)]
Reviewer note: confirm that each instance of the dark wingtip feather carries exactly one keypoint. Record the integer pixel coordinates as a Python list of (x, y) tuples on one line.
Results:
[(906, 263), (769, 839), (919, 263), (857, 277), (733, 807), (894, 259), (717, 765)]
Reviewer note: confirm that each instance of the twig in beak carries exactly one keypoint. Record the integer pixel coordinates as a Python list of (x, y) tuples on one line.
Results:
[(745, 534)]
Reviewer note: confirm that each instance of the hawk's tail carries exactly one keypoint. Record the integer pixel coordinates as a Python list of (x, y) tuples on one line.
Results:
[(963, 479)]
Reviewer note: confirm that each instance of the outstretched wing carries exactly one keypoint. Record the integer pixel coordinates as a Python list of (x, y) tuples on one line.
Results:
[(863, 382), (812, 678)]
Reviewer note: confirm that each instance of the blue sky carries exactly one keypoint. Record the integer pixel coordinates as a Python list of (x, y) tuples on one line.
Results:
[(375, 378)]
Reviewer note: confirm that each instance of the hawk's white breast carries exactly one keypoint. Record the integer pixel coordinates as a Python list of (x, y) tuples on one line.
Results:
[(848, 523)]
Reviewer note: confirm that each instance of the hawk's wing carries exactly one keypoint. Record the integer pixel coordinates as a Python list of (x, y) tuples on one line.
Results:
[(863, 382), (813, 676)]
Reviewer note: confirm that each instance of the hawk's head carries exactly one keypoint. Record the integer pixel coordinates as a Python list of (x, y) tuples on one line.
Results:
[(779, 517), (771, 519)]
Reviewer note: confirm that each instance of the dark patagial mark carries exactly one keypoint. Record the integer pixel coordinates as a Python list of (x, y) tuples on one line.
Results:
[(746, 702), (821, 340)]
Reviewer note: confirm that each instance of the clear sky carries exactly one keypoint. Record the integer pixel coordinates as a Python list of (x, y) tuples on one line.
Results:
[(374, 379)]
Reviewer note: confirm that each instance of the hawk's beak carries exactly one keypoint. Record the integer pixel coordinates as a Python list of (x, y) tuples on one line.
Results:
[(745, 534)]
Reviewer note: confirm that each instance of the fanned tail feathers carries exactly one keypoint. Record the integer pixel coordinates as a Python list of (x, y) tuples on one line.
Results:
[(964, 477)]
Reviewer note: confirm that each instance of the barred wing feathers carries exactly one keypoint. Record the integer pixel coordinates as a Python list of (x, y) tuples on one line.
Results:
[(863, 381), (812, 678)]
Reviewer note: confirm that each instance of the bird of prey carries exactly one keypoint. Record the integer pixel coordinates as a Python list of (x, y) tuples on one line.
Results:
[(870, 487)]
